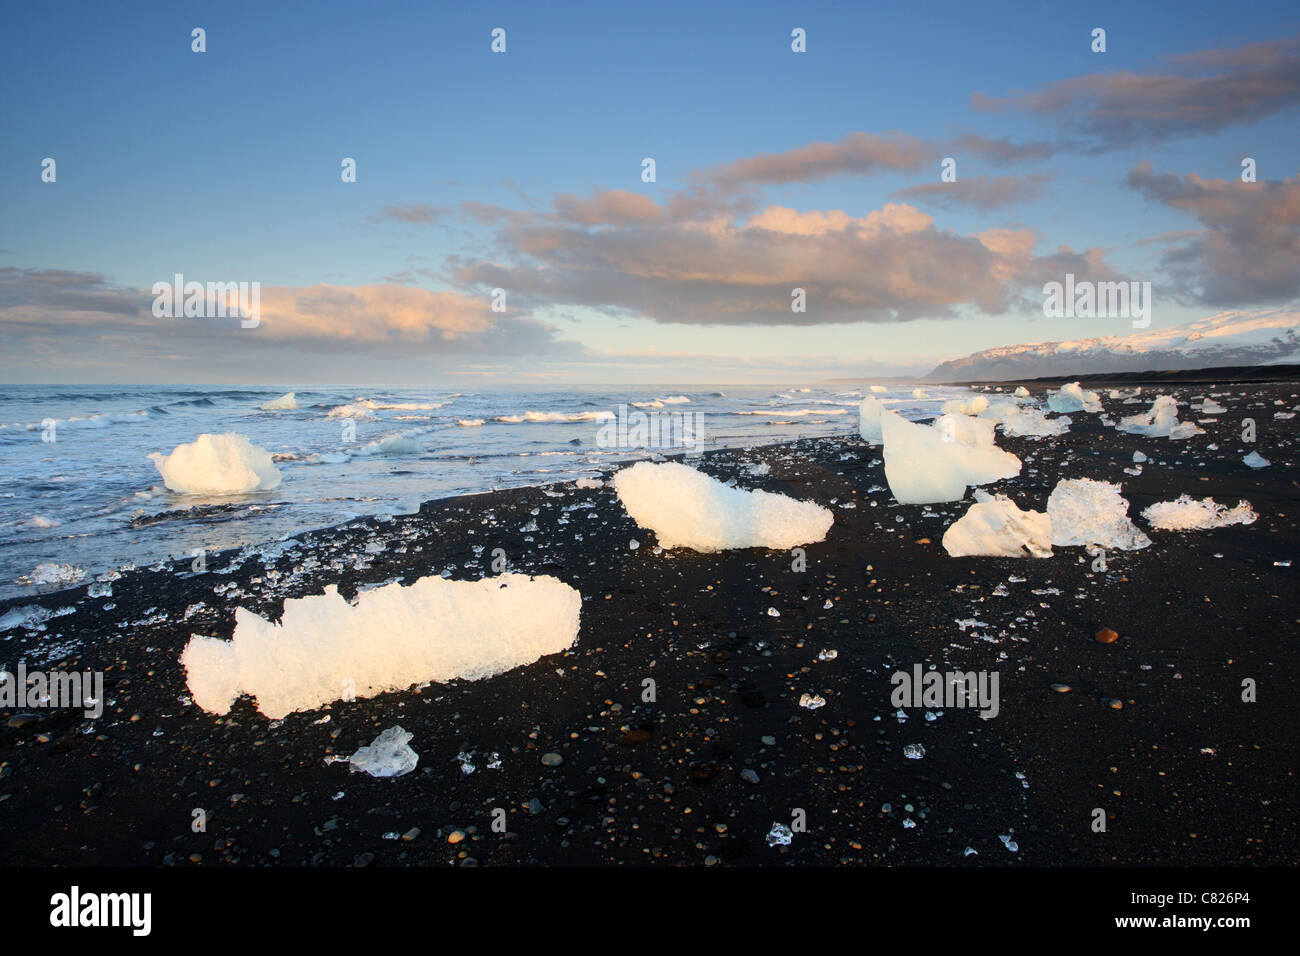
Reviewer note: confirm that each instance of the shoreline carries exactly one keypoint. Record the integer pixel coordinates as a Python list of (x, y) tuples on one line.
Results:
[(728, 675)]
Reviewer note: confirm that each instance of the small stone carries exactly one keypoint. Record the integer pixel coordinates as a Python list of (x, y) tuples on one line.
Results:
[(1106, 636), (749, 776), (769, 741), (634, 737), (1115, 704), (361, 859), (1061, 688), (411, 834), (552, 760), (455, 836), (19, 721)]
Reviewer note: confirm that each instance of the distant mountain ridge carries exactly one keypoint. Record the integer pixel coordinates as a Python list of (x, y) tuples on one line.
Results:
[(1238, 338)]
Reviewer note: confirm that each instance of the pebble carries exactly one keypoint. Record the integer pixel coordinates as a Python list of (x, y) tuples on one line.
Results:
[(19, 721), (1061, 688), (1106, 636), (749, 776), (411, 834), (455, 836), (1115, 704), (552, 760), (769, 741)]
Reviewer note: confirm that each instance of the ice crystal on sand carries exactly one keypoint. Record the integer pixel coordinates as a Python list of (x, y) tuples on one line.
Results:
[(779, 835), (1188, 514), (388, 755)]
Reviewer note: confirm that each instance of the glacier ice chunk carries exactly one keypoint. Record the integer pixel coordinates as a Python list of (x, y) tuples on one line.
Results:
[(686, 508), (996, 527), (1160, 421), (1188, 514), (1084, 511), (1030, 422), (869, 412), (1072, 398), (925, 464), (285, 403), (226, 464), (965, 406), (325, 649)]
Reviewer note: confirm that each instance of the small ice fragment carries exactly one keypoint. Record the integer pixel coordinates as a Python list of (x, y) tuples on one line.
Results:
[(1188, 514), (388, 755), (1255, 460), (779, 835), (811, 701), (1009, 843), (913, 751)]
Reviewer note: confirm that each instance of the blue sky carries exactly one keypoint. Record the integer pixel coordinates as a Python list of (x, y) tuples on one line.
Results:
[(225, 166)]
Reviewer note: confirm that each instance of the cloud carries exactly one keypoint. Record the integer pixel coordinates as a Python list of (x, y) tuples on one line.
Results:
[(612, 206), (979, 192), (1249, 249), (891, 265), (1195, 93), (83, 318), (856, 153), (861, 154)]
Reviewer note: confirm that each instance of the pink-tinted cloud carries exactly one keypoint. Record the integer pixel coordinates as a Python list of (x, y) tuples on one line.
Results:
[(1249, 248), (1194, 93)]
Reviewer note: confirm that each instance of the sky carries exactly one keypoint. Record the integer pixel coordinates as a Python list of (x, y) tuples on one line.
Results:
[(517, 179)]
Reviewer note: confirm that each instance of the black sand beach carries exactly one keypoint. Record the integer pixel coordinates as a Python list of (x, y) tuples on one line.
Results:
[(1184, 770)]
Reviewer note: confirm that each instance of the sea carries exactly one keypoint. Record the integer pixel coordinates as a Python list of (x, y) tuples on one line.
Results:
[(81, 498)]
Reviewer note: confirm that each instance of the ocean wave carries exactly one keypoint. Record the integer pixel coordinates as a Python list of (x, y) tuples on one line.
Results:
[(553, 417)]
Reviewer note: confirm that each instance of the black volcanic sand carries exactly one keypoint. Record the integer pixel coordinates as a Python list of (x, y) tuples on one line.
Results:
[(1186, 772)]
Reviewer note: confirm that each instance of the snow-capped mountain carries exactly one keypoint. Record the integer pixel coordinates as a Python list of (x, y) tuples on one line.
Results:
[(1261, 337)]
